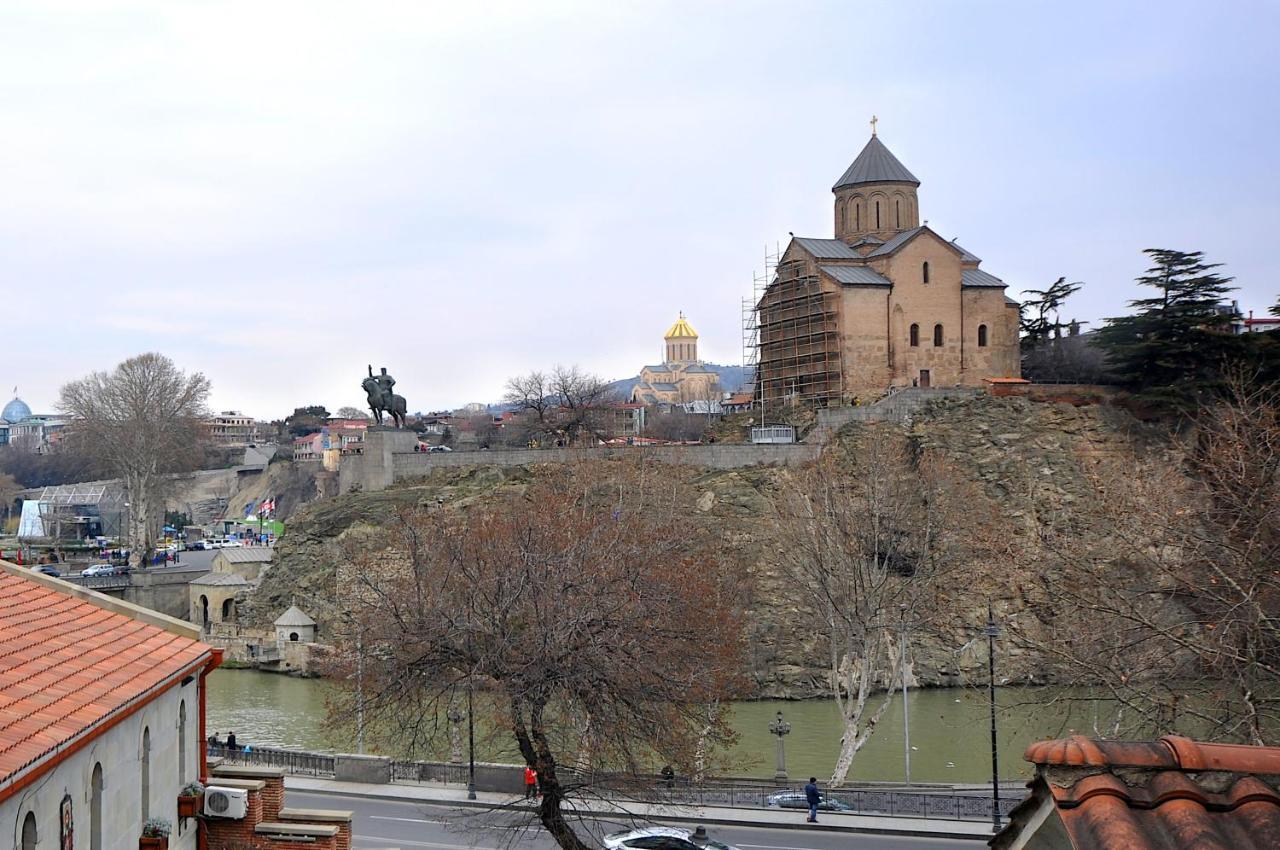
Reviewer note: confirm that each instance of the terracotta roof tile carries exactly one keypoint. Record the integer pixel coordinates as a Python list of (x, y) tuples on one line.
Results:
[(67, 665), (1153, 795)]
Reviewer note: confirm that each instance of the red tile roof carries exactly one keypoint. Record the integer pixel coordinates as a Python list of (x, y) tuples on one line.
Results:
[(1171, 793), (69, 668)]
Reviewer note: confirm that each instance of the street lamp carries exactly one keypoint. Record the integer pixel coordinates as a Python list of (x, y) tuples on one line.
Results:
[(906, 716), (992, 631), (781, 728), (455, 736), (471, 746)]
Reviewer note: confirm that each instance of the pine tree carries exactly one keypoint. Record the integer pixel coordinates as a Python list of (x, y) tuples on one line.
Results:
[(1173, 350)]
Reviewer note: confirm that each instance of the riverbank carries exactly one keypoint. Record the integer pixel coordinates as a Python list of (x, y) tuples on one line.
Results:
[(949, 729)]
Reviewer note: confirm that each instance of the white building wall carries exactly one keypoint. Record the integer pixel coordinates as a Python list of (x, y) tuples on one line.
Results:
[(119, 751)]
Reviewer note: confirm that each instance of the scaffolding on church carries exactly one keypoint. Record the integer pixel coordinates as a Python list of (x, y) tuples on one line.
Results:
[(798, 341), (750, 328)]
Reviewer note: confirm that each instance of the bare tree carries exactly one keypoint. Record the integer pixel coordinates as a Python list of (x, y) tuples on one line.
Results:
[(599, 627), (1163, 590), (566, 403), (352, 413), (143, 418), (870, 535)]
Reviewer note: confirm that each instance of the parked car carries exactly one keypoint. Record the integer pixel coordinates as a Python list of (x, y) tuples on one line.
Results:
[(197, 545), (100, 570), (796, 800), (661, 838), (47, 569)]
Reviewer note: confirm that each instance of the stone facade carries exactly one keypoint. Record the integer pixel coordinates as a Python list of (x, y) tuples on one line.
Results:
[(888, 303)]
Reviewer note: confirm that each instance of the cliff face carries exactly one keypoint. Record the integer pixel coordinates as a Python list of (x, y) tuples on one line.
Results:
[(1030, 458)]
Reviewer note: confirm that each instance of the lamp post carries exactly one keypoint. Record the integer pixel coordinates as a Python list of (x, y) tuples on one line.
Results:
[(992, 632), (781, 728), (471, 746), (906, 715), (455, 736)]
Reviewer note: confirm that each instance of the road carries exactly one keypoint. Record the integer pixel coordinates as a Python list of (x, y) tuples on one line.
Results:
[(390, 823)]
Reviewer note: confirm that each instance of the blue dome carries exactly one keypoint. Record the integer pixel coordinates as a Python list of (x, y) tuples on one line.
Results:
[(15, 411)]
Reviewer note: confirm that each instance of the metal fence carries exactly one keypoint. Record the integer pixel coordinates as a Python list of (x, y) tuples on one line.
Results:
[(104, 582), (293, 761), (936, 802)]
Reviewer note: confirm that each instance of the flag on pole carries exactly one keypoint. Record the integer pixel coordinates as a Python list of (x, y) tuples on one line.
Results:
[(248, 509)]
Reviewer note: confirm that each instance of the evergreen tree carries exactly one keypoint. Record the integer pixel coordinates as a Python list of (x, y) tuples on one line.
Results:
[(1039, 317), (1173, 350)]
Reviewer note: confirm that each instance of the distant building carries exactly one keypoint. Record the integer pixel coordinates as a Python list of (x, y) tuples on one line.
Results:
[(32, 432), (231, 428), (295, 626), (681, 377), (886, 303), (1261, 325)]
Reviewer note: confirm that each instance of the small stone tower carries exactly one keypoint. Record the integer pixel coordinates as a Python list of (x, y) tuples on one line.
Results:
[(682, 342), (876, 196)]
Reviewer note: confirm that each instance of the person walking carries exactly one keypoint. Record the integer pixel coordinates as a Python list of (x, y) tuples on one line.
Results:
[(813, 797), (530, 783)]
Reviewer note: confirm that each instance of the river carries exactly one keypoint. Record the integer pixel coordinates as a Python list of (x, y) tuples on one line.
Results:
[(949, 728)]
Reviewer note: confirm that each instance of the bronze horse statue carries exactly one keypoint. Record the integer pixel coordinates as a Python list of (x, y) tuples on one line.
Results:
[(378, 403)]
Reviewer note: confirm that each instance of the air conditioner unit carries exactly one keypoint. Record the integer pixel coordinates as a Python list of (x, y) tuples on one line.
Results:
[(225, 802)]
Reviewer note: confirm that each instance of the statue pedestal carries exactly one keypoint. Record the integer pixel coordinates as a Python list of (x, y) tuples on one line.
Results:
[(372, 469)]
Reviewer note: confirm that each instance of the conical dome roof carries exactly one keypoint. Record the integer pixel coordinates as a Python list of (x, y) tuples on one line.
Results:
[(875, 165), (294, 617), (681, 330), (15, 411)]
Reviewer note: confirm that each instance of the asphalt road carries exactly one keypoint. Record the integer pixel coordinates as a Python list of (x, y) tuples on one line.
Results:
[(390, 823)]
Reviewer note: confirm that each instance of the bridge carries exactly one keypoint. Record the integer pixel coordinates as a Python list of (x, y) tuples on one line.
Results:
[(162, 589)]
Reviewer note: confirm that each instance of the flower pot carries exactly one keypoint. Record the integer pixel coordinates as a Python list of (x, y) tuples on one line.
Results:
[(158, 842), (189, 807)]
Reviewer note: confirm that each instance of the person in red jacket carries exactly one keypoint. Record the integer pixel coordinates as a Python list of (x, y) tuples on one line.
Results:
[(530, 782)]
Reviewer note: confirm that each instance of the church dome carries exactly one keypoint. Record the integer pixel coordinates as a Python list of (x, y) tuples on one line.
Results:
[(681, 330), (15, 411)]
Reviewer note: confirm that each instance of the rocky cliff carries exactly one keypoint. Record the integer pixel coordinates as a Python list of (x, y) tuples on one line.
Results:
[(1027, 457)]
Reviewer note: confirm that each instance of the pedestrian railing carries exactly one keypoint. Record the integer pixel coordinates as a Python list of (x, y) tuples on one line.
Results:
[(937, 802), (293, 761)]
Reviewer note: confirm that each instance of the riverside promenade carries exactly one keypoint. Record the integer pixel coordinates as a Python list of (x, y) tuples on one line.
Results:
[(958, 833)]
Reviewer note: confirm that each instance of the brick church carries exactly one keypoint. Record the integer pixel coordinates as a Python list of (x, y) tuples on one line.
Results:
[(886, 303)]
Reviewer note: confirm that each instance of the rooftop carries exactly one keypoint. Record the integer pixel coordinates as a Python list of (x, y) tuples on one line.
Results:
[(72, 660), (875, 164), (295, 616), (246, 554), (1170, 793), (220, 580), (681, 330)]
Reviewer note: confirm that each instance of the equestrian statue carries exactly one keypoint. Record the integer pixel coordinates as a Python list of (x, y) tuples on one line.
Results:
[(382, 399)]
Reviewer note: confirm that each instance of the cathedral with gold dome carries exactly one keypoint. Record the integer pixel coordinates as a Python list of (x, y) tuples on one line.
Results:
[(681, 378)]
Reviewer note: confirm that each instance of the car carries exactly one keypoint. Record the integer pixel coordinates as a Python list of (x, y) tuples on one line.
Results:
[(662, 838), (197, 546), (439, 449), (47, 569), (796, 800), (99, 570)]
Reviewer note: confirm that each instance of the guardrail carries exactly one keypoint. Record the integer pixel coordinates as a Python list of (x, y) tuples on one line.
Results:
[(937, 802), (105, 582), (293, 761)]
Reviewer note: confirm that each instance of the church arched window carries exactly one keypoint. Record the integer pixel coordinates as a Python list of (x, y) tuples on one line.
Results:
[(937, 335), (842, 216), (982, 336), (857, 216), (877, 215), (925, 271), (915, 336), (897, 214)]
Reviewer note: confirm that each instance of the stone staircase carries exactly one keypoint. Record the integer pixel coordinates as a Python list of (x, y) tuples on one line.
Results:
[(895, 407)]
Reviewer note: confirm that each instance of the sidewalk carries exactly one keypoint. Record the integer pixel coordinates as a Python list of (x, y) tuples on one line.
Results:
[(762, 817)]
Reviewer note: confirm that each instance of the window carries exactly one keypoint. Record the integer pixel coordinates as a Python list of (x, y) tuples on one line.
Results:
[(95, 809), (915, 336), (146, 774), (897, 214), (29, 832), (982, 336), (182, 743), (937, 335), (857, 216), (877, 215), (925, 270), (293, 636), (842, 218), (228, 610)]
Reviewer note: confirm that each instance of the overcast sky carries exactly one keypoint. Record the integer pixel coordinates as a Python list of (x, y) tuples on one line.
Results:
[(278, 194)]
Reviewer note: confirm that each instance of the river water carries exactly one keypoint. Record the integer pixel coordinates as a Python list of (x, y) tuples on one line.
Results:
[(949, 728)]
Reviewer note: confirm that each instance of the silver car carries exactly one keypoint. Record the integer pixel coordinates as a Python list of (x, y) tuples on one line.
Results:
[(663, 838)]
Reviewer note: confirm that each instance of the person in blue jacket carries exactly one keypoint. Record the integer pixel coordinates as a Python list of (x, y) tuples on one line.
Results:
[(813, 797)]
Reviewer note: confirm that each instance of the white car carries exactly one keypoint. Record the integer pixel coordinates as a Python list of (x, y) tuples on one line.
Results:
[(663, 838)]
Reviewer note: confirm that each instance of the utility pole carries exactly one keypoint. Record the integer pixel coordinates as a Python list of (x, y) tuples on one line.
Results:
[(906, 713), (992, 632), (360, 691)]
